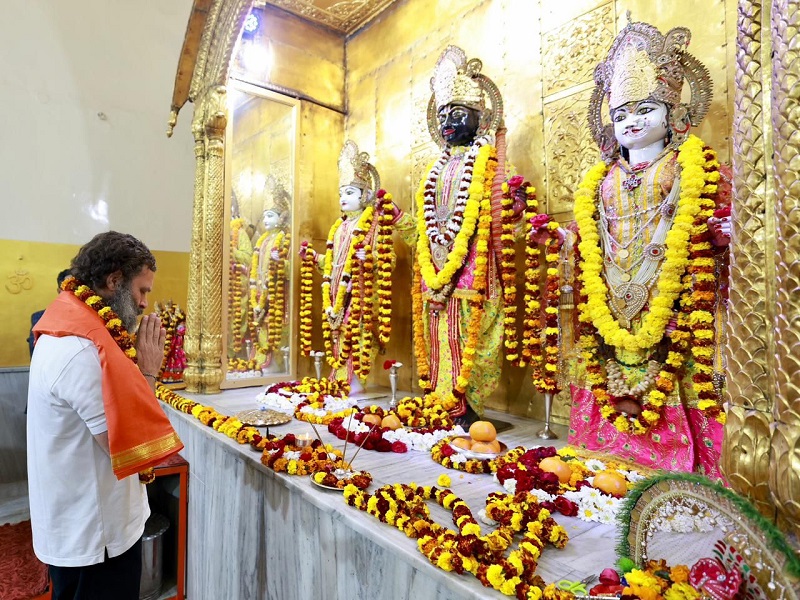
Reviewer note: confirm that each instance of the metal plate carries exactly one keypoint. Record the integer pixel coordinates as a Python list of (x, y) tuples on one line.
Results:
[(262, 418), (479, 455)]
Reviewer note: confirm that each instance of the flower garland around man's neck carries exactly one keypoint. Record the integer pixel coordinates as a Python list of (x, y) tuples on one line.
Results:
[(466, 549), (676, 257), (476, 184)]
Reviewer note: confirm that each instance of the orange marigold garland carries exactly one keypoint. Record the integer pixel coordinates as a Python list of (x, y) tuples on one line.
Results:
[(306, 302), (517, 356), (384, 248), (236, 285), (276, 312)]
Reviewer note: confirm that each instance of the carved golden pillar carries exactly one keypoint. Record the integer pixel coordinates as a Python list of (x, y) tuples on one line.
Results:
[(784, 473), (750, 382), (194, 312)]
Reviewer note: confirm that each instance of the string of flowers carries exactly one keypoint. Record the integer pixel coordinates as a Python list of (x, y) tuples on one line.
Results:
[(333, 301), (384, 248), (229, 426), (276, 313), (477, 186), (704, 295), (367, 305), (544, 370), (236, 270), (518, 357), (593, 305), (329, 478), (306, 302), (172, 317), (444, 454), (283, 455), (465, 549)]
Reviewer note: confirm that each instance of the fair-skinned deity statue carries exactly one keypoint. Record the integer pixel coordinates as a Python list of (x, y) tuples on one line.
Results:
[(648, 261), (356, 269)]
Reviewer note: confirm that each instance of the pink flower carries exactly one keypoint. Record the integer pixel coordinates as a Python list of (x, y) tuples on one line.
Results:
[(539, 221), (515, 181), (381, 193)]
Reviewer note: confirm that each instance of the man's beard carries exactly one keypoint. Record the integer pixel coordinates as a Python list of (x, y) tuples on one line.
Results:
[(122, 303)]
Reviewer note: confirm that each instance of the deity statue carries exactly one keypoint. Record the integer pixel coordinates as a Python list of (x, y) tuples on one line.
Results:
[(458, 304), (241, 254), (649, 251), (173, 319), (356, 270), (269, 272)]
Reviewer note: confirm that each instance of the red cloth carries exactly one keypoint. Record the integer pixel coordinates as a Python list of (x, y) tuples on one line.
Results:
[(139, 434)]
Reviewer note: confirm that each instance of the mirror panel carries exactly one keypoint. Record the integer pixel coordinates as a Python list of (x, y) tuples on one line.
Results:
[(259, 258)]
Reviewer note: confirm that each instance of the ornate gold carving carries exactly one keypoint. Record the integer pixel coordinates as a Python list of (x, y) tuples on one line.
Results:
[(569, 148), (785, 464), (346, 17), (570, 52), (745, 451)]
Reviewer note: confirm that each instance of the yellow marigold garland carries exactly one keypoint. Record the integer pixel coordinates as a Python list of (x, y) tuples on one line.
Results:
[(306, 302), (458, 254), (699, 175), (235, 284), (466, 549), (668, 286)]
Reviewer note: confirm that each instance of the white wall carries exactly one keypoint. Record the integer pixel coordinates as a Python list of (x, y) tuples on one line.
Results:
[(67, 173)]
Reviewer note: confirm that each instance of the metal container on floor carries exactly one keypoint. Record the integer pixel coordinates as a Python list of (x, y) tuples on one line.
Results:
[(152, 557)]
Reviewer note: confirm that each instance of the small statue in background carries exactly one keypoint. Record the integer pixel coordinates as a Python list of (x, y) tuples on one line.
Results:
[(173, 319), (269, 272)]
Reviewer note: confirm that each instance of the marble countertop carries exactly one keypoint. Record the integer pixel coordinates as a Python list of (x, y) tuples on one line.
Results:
[(591, 545)]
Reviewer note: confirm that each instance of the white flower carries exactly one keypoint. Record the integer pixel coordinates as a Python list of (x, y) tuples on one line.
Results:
[(510, 485), (541, 495), (458, 459), (488, 520), (595, 465)]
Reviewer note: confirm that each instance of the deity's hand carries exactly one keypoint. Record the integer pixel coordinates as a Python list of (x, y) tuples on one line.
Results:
[(540, 232), (396, 211), (274, 254), (361, 254), (150, 344), (720, 227), (304, 249), (520, 201)]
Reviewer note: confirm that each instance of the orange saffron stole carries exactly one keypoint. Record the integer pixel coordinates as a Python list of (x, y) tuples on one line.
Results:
[(139, 434)]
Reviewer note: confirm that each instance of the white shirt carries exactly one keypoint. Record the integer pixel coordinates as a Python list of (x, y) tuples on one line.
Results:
[(78, 507)]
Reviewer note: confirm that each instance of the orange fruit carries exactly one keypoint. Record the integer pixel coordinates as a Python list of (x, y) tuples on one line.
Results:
[(492, 447), (391, 422), (463, 443), (553, 464), (482, 431), (371, 420), (611, 482)]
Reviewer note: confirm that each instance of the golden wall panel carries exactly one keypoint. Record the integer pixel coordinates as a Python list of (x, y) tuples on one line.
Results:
[(571, 51), (570, 148), (555, 14), (745, 455), (784, 472), (305, 57)]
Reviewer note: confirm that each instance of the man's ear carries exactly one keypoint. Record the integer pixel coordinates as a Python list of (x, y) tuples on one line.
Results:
[(113, 281)]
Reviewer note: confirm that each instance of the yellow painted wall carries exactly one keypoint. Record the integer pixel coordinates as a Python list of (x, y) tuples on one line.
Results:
[(28, 273), (541, 54)]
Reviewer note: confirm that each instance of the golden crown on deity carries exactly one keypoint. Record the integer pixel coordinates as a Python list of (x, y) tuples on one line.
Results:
[(277, 197), (643, 64), (356, 170), (457, 80)]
